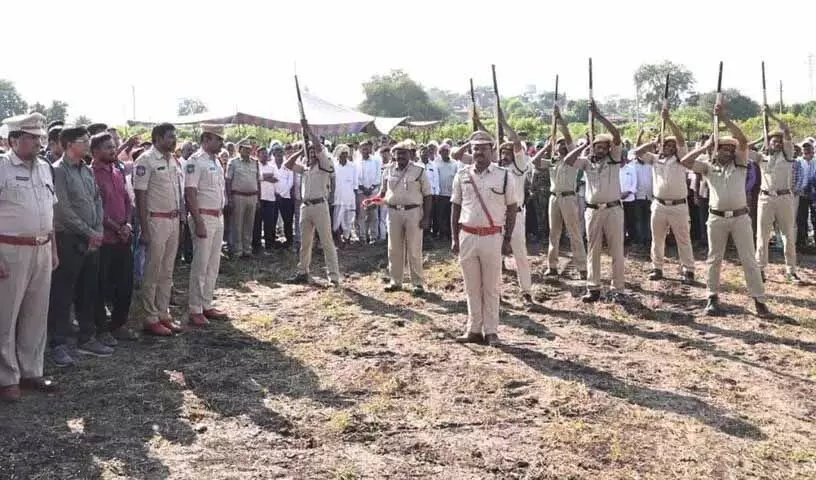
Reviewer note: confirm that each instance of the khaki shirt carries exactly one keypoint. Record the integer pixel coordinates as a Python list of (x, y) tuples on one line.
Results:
[(244, 175), (405, 187), (496, 190), (27, 197), (602, 177), (518, 172), (158, 176), (776, 172), (668, 174), (203, 172), (726, 185), (563, 177), (316, 180)]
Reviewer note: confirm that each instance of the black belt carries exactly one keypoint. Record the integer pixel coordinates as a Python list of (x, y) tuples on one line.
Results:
[(670, 203), (601, 206), (314, 201), (776, 193), (728, 213), (563, 194), (403, 207)]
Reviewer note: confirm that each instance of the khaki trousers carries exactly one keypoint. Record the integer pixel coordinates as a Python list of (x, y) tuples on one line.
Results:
[(243, 218), (481, 258), (367, 218), (675, 217), (782, 209), (741, 231), (563, 211), (206, 262), (606, 222), (518, 243), (160, 257), (405, 242), (316, 218), (24, 299)]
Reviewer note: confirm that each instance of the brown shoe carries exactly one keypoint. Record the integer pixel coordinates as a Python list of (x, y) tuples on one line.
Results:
[(38, 384), (199, 320), (171, 325), (471, 337), (10, 394), (215, 314), (157, 329), (491, 339)]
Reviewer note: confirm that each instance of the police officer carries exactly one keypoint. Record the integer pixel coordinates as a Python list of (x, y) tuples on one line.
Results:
[(243, 181), (155, 183), (204, 191), (669, 205), (314, 211), (776, 200), (604, 213), (725, 175), (28, 255), (407, 193), (482, 220), (563, 203)]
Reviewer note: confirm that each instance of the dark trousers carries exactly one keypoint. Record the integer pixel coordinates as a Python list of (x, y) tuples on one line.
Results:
[(442, 216), (185, 250), (702, 212), (259, 227), (807, 208), (630, 222), (643, 221), (75, 281), (539, 203), (285, 207), (115, 286), (753, 205)]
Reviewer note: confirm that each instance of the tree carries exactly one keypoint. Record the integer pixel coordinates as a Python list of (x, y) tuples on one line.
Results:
[(577, 111), (397, 95), (39, 108), (650, 80), (57, 111), (740, 107), (11, 102), (191, 106), (517, 107), (82, 120)]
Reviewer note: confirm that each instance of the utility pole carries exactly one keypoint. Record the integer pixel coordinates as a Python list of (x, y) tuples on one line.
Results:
[(811, 66), (133, 97)]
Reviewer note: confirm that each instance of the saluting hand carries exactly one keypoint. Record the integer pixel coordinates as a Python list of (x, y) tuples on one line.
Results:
[(423, 223), (201, 230)]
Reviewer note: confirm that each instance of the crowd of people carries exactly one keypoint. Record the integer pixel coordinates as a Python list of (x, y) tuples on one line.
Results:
[(86, 219)]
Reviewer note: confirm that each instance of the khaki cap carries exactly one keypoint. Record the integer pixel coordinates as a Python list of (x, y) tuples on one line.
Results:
[(409, 145), (33, 123), (603, 138), (217, 130), (776, 133), (728, 141), (244, 143), (670, 138), (480, 138)]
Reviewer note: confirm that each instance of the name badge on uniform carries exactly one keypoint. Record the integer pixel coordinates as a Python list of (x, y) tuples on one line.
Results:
[(161, 168), (190, 168), (22, 179), (140, 170)]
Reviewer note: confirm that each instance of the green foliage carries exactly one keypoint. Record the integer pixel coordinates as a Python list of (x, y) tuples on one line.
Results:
[(397, 95), (191, 106), (82, 120), (801, 126), (740, 107), (57, 111), (650, 79), (11, 102)]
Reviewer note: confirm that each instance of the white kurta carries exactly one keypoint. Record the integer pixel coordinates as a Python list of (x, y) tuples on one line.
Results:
[(346, 181)]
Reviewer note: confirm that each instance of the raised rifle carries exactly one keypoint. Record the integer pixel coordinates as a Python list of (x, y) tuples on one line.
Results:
[(591, 113), (499, 126), (764, 108), (303, 122), (665, 105), (716, 131), (473, 102), (554, 133)]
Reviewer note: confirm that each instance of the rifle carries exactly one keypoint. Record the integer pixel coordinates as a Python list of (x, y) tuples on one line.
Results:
[(764, 108), (304, 124), (554, 134), (591, 113), (665, 105), (473, 102), (716, 132), (781, 107), (500, 127)]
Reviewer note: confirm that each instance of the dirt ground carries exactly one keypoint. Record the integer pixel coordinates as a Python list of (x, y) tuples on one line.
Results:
[(316, 383)]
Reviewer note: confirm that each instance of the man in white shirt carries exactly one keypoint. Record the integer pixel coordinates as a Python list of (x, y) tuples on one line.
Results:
[(446, 169), (643, 202), (628, 185), (806, 171), (344, 193), (283, 185), (369, 174), (266, 222), (385, 159), (432, 173)]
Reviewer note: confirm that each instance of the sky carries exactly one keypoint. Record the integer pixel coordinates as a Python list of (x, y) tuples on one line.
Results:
[(238, 54)]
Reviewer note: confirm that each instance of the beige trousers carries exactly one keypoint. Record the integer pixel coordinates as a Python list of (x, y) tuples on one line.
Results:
[(600, 223), (316, 218), (518, 243), (675, 217), (367, 218), (782, 209), (160, 258), (243, 221), (24, 297), (741, 231), (405, 242), (206, 262), (564, 212), (481, 258)]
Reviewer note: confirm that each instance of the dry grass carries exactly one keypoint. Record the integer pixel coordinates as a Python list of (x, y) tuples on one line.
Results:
[(311, 382)]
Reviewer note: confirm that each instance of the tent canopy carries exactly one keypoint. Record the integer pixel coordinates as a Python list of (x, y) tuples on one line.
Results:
[(325, 118)]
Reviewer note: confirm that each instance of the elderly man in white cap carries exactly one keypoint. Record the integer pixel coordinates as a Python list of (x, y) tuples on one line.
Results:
[(28, 255), (345, 198)]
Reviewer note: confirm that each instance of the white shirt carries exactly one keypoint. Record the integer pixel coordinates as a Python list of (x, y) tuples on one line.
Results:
[(645, 190), (446, 171), (628, 180), (267, 187), (433, 177), (286, 179), (345, 178), (369, 172)]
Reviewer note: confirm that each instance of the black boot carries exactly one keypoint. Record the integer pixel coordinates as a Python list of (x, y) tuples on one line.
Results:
[(761, 309), (688, 278), (712, 308), (591, 296), (656, 274)]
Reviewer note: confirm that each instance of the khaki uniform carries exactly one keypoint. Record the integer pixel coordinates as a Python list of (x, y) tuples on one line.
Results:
[(563, 211), (405, 193), (244, 176), (314, 215), (203, 172), (604, 215), (157, 176), (776, 203), (726, 193), (518, 241), (669, 207), (480, 255), (26, 210)]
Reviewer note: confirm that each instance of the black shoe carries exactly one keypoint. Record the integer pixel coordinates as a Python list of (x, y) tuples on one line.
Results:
[(591, 296), (471, 337), (656, 274), (300, 278), (392, 287), (616, 297), (712, 308), (418, 291), (582, 275), (688, 278), (527, 297), (551, 272), (794, 279), (491, 339), (762, 275), (761, 309)]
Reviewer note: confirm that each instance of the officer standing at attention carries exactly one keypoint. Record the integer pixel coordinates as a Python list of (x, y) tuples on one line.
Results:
[(28, 255), (204, 191), (669, 207), (157, 201), (728, 211), (482, 196), (407, 193), (314, 211), (604, 213), (243, 181)]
